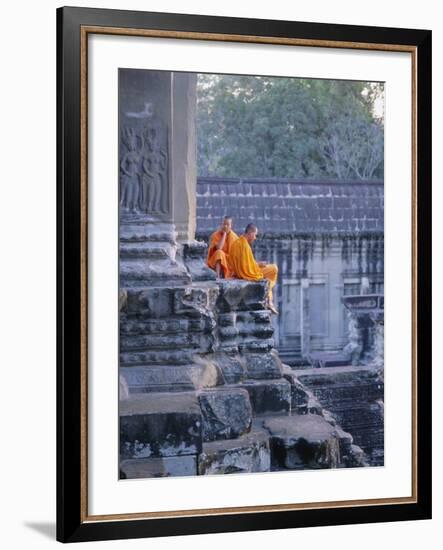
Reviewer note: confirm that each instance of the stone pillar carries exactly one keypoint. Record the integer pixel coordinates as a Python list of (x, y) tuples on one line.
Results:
[(157, 155), (305, 326), (158, 173), (184, 147), (364, 312), (145, 125), (354, 347)]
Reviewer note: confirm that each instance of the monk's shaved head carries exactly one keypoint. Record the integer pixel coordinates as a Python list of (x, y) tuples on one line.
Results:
[(251, 228), (226, 224), (251, 232)]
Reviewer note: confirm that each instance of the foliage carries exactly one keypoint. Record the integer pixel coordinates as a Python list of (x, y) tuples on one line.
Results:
[(289, 127)]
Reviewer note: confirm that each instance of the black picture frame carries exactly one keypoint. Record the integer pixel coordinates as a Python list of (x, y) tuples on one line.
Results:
[(73, 524)]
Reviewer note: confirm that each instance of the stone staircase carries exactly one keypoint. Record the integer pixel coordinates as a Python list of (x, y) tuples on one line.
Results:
[(206, 393), (354, 395), (148, 254)]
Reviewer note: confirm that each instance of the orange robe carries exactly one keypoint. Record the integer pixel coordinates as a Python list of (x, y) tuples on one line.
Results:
[(244, 266), (221, 254)]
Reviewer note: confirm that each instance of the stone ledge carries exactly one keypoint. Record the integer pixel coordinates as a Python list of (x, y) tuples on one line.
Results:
[(304, 441), (269, 396), (159, 425), (241, 295), (165, 378), (246, 454), (158, 467)]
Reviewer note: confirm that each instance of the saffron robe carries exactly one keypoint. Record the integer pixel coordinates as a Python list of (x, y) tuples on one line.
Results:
[(222, 254), (244, 266)]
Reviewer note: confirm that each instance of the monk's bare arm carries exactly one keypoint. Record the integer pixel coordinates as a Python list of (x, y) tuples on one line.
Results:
[(221, 242)]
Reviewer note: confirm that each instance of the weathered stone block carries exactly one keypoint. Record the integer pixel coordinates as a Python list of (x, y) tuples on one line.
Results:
[(143, 230), (356, 458), (263, 366), (259, 346), (254, 324), (151, 302), (139, 468), (197, 341), (172, 325), (303, 441), (246, 454), (196, 301), (151, 251), (299, 394), (228, 332), (269, 396), (226, 413), (231, 365), (194, 256), (255, 317), (238, 295), (159, 425), (138, 273), (227, 319), (165, 378), (157, 357)]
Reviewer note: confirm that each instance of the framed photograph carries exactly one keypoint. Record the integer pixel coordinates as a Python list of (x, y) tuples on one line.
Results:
[(236, 199)]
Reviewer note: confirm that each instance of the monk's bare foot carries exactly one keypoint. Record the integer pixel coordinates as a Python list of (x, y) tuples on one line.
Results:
[(273, 309)]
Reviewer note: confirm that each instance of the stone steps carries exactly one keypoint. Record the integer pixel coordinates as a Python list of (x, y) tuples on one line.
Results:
[(143, 231), (156, 357), (171, 325), (353, 394), (245, 454), (307, 441), (268, 396), (148, 250), (164, 378), (139, 273), (141, 468), (156, 342), (157, 425)]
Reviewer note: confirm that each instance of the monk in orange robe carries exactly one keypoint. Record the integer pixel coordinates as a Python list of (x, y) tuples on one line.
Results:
[(219, 248), (244, 266)]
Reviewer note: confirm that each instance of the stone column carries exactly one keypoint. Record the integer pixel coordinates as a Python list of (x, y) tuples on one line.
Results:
[(354, 347), (158, 173), (305, 325), (364, 312), (145, 126), (157, 150), (184, 148)]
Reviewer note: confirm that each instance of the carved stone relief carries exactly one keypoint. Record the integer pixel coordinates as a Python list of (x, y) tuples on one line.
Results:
[(144, 171)]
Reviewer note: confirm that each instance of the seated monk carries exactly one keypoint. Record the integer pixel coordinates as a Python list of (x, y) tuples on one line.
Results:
[(219, 248), (244, 266)]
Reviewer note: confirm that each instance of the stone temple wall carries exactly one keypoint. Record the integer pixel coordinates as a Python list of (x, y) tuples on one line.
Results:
[(315, 273), (326, 238)]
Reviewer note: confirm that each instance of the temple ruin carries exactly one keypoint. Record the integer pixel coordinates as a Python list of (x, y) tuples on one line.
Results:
[(210, 383)]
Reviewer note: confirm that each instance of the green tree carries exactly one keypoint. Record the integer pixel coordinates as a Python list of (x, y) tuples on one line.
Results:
[(286, 127)]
